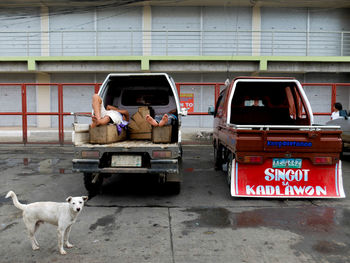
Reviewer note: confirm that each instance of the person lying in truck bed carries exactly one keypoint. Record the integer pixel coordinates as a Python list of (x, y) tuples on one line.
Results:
[(110, 114), (162, 120)]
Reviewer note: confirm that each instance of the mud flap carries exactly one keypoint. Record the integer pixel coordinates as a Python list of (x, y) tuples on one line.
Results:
[(308, 181)]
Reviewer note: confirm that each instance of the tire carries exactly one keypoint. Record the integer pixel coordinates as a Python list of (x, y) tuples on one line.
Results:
[(170, 188), (173, 188), (180, 152), (180, 156), (341, 155), (218, 156), (92, 188)]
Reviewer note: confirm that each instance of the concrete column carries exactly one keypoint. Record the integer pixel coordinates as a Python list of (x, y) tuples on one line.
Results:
[(43, 100), (45, 27), (256, 30), (147, 27), (43, 93)]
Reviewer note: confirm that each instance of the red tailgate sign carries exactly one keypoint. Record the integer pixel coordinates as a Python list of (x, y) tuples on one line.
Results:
[(287, 178)]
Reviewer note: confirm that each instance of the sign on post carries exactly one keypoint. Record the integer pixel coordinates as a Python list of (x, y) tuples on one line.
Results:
[(187, 101)]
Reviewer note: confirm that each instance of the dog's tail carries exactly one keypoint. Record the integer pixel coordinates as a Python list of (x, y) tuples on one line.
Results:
[(15, 200)]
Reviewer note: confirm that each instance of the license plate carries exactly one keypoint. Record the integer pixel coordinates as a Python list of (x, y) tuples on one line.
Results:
[(286, 163), (126, 161)]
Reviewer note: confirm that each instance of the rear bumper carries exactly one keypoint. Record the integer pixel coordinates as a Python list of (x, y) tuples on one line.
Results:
[(157, 166)]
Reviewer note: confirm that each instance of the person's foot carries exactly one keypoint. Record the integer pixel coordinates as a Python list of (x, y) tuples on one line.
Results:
[(95, 122), (164, 120), (151, 121)]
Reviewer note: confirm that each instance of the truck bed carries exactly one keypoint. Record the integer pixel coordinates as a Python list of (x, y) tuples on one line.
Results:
[(130, 144)]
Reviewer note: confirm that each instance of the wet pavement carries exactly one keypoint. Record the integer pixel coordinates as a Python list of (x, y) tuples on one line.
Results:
[(132, 221)]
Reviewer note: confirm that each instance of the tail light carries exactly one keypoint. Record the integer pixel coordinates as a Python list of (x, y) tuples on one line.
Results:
[(322, 160), (253, 159), (161, 154), (90, 154)]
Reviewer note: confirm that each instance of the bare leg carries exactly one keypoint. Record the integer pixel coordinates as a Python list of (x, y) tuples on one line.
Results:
[(94, 121), (151, 121), (96, 118), (164, 120), (103, 121), (96, 105)]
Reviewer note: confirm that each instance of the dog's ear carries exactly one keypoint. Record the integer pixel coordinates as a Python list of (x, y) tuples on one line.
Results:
[(69, 198), (85, 198)]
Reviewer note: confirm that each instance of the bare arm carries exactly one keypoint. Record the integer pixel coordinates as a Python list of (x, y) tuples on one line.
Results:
[(172, 111), (110, 107), (123, 112)]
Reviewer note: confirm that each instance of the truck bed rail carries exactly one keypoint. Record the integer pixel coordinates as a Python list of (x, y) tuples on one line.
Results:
[(292, 127), (131, 144)]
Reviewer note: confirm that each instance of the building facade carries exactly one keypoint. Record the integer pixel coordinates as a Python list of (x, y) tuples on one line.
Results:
[(195, 41)]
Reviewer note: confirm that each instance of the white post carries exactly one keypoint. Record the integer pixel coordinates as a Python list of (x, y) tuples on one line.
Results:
[(147, 30), (256, 30), (43, 93), (45, 37), (43, 100)]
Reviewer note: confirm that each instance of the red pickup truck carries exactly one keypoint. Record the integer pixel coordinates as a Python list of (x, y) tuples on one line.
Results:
[(265, 138)]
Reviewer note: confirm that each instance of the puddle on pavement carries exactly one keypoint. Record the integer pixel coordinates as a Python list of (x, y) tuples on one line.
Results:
[(12, 162), (47, 165), (4, 227), (312, 219), (103, 222), (34, 166), (25, 161), (3, 200), (329, 247), (107, 223), (325, 230)]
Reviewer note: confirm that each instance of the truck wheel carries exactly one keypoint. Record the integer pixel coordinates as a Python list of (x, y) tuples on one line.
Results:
[(92, 187), (173, 188), (218, 156), (169, 188)]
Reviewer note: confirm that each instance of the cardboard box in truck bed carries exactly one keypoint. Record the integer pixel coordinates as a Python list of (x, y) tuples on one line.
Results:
[(161, 134), (106, 134), (139, 128)]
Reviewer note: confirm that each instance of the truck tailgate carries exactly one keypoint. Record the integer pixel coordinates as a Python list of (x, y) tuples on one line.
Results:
[(302, 141), (287, 163), (131, 156)]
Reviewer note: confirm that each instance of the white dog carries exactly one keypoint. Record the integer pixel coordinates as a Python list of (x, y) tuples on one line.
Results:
[(62, 215)]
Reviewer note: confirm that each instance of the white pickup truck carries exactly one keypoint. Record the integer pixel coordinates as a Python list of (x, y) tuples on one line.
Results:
[(122, 91)]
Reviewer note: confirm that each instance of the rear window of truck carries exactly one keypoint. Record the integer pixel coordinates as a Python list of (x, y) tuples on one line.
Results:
[(269, 103), (145, 97), (138, 90)]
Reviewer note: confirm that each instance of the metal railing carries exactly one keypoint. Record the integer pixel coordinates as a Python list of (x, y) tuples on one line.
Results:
[(62, 112), (173, 43)]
